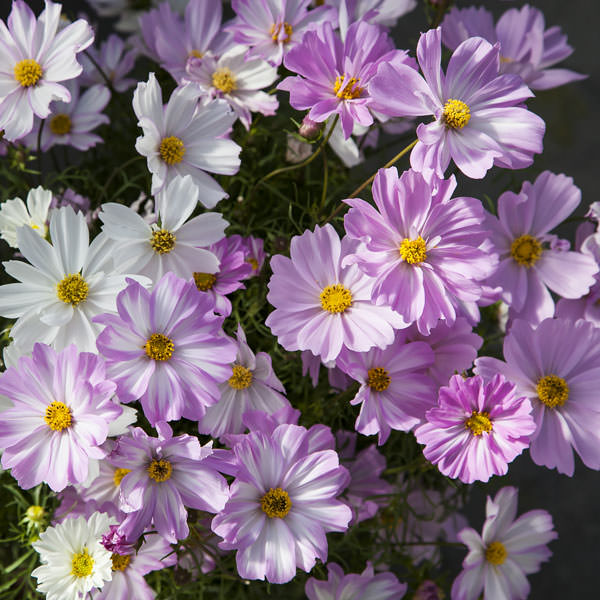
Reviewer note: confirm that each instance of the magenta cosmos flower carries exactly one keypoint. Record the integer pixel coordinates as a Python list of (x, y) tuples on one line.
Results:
[(507, 550), (60, 414), (477, 428), (556, 366), (423, 247), (395, 393), (531, 259), (338, 83), (480, 119), (165, 475), (33, 60), (282, 503), (166, 348), (322, 306), (526, 47)]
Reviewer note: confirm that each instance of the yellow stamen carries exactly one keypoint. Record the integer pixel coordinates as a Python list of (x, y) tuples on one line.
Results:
[(160, 470), (82, 564), (336, 298), (552, 390), (276, 503), (204, 281), (253, 262), (28, 72), (479, 422), (120, 561), (413, 251), (526, 250), (171, 150), (196, 53), (276, 29), (72, 289), (349, 90), (378, 379), (456, 114), (224, 80), (241, 378), (118, 476), (496, 553), (58, 416), (159, 347), (60, 124), (162, 241)]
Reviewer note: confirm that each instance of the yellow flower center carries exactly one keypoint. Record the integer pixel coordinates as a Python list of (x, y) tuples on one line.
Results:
[(526, 250), (72, 289), (347, 90), (378, 379), (162, 241), (224, 80), (35, 514), (204, 281), (336, 298), (552, 390), (60, 124), (241, 378), (82, 564), (479, 422), (58, 416), (496, 553), (413, 251), (118, 476), (120, 561), (456, 114), (253, 262), (28, 72), (159, 347), (276, 29), (171, 150), (196, 54), (160, 470), (276, 503)]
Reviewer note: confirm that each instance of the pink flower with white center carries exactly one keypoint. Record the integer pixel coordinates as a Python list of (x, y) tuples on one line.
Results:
[(61, 407), (33, 61), (114, 60), (184, 138), (254, 252), (556, 366), (507, 550), (477, 428), (282, 503)]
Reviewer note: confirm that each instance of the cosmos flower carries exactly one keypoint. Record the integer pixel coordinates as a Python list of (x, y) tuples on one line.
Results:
[(282, 503), (477, 428), (14, 214), (34, 60), (254, 251), (507, 550), (380, 12), (479, 116)]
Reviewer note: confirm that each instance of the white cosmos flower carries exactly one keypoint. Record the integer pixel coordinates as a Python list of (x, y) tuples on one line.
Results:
[(14, 214), (73, 559), (66, 284), (174, 245), (185, 138)]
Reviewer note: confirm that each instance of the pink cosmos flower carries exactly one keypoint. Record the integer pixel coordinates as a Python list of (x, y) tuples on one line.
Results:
[(424, 248), (323, 306), (531, 259), (282, 503), (506, 551), (254, 252), (166, 348), (480, 119), (556, 366), (338, 83), (477, 428), (166, 474), (395, 393), (526, 47), (33, 60), (59, 415), (114, 60)]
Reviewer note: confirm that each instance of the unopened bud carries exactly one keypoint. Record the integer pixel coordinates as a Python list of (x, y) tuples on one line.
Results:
[(310, 129)]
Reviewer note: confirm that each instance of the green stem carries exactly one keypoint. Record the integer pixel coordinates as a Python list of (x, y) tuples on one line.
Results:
[(104, 191), (325, 181)]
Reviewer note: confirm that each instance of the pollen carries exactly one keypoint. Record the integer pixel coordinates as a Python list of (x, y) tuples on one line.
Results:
[(253, 262), (276, 503), (336, 298), (82, 564), (347, 90), (28, 72), (196, 53), (160, 470), (378, 379), (479, 422), (526, 250), (118, 476), (241, 378), (159, 347), (204, 281), (172, 150), (224, 80), (456, 114), (276, 30), (58, 416), (60, 124), (413, 251), (72, 289), (162, 241), (120, 561), (496, 553), (552, 390)]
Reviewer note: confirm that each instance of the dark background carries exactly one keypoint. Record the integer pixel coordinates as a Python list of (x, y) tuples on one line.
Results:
[(571, 142)]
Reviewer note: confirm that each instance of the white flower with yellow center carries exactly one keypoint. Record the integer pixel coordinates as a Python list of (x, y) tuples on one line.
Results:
[(14, 214), (73, 559), (66, 284)]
